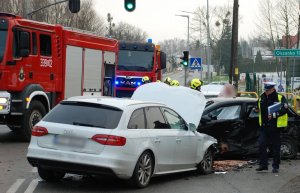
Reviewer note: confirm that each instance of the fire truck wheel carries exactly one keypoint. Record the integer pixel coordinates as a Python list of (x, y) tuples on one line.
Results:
[(32, 116)]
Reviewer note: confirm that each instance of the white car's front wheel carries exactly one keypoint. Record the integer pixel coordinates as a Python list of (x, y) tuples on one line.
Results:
[(206, 165), (143, 170)]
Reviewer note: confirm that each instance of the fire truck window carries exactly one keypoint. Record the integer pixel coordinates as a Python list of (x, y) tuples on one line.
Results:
[(16, 41), (34, 44), (45, 45)]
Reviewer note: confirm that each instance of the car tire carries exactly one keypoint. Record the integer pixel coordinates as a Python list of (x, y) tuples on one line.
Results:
[(288, 148), (143, 171), (206, 165), (32, 116), (50, 175)]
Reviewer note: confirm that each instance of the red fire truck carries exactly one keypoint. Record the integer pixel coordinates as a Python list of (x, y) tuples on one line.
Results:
[(42, 64), (136, 60)]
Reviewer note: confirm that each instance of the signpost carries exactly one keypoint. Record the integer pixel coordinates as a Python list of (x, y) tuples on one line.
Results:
[(195, 63), (287, 53)]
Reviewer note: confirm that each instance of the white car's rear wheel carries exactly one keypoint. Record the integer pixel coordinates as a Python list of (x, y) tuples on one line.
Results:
[(143, 170), (206, 165)]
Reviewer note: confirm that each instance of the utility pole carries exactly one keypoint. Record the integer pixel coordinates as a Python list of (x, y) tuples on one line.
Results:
[(298, 36), (208, 54), (111, 25), (234, 46)]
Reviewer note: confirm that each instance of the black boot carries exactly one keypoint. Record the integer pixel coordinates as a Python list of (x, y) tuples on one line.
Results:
[(261, 168)]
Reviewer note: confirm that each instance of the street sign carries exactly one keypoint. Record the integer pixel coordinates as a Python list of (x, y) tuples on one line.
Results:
[(287, 53), (195, 63)]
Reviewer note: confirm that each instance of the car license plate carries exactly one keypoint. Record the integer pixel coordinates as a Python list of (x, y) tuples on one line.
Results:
[(70, 141)]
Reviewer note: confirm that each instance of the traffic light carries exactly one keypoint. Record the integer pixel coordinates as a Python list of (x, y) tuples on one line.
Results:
[(74, 6), (185, 59), (129, 5)]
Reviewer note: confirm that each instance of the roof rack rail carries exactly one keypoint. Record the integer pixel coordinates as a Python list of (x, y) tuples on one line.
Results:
[(8, 14), (81, 31)]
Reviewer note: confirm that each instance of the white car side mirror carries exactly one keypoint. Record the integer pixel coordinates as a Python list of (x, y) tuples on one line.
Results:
[(192, 127)]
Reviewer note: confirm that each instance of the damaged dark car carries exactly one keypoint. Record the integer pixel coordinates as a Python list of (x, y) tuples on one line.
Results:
[(234, 123)]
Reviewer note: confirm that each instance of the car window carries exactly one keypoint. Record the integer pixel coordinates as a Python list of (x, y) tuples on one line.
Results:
[(174, 120), (137, 120), (85, 114), (45, 45), (155, 119), (250, 112), (226, 113)]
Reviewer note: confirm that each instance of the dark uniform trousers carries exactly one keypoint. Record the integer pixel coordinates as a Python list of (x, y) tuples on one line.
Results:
[(269, 135)]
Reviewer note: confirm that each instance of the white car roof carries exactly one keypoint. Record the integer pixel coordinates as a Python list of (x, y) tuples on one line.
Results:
[(120, 103)]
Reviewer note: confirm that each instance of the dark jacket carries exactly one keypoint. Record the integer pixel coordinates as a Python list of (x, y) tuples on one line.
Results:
[(267, 101)]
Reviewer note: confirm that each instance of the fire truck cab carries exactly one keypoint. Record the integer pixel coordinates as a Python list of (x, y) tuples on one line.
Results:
[(42, 64), (136, 60)]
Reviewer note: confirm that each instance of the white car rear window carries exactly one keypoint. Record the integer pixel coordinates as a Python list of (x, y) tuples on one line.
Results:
[(85, 114)]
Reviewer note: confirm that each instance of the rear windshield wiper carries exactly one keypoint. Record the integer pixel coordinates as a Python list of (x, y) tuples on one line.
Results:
[(87, 125)]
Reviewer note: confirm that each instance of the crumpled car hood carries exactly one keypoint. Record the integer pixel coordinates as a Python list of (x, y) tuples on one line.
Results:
[(187, 102)]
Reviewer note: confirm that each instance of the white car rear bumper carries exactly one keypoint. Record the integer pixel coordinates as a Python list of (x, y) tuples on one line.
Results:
[(107, 163)]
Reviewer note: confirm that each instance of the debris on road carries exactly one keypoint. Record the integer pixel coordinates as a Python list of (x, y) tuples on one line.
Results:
[(220, 172), (226, 165)]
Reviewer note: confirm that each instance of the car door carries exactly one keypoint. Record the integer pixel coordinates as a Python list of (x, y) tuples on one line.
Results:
[(186, 140), (251, 130), (162, 137), (225, 125)]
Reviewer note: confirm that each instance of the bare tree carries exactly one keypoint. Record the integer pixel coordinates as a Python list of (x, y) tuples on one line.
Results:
[(12, 6), (173, 48), (127, 32), (86, 19)]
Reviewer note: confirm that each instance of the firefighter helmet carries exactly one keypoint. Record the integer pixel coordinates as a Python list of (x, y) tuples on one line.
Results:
[(174, 83), (196, 83), (146, 79), (168, 80)]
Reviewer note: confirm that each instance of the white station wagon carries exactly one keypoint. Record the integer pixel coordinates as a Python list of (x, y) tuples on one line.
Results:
[(126, 138)]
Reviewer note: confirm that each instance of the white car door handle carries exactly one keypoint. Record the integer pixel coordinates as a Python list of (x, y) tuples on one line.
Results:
[(178, 140), (157, 140)]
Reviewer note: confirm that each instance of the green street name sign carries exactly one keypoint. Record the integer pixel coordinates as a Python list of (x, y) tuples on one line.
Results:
[(287, 53)]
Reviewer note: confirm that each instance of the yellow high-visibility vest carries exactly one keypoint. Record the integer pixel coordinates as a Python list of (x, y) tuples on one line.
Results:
[(282, 121)]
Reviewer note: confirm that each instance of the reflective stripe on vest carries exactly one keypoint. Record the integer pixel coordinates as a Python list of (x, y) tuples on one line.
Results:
[(282, 121)]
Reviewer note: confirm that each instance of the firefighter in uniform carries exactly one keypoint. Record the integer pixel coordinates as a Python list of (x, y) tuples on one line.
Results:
[(146, 80), (195, 84), (270, 125)]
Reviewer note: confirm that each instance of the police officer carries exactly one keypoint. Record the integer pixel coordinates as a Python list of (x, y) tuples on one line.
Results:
[(146, 80), (270, 125)]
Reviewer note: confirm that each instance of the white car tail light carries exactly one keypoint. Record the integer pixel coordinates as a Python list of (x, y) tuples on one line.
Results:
[(39, 131), (109, 140)]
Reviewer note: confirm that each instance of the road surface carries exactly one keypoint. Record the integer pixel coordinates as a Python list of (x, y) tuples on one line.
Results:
[(17, 176)]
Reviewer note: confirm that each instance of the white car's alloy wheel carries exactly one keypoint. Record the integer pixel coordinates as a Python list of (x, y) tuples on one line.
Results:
[(206, 165), (145, 169)]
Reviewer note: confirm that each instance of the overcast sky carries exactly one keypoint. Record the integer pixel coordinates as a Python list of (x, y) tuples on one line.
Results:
[(157, 17)]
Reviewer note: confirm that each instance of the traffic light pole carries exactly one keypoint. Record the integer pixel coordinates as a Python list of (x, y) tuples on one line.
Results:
[(188, 47), (37, 10)]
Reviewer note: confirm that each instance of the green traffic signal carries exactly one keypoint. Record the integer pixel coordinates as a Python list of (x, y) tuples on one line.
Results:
[(129, 5), (185, 58)]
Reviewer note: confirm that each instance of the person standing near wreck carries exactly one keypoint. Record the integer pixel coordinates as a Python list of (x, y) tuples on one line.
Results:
[(272, 109)]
